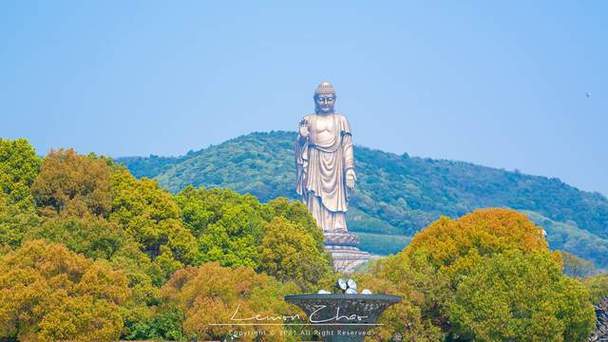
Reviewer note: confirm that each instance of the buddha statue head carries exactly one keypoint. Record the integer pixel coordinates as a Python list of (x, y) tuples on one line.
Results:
[(325, 98)]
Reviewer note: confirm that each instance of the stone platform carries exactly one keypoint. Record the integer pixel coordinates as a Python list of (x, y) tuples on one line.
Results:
[(344, 251)]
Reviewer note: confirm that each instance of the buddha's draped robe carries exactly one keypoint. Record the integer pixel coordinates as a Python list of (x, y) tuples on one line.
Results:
[(322, 159)]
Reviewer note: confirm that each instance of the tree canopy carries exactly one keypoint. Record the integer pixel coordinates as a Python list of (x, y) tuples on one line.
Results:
[(212, 294), (513, 296), (19, 167), (89, 252), (73, 184), (50, 293), (279, 238), (88, 212), (489, 276)]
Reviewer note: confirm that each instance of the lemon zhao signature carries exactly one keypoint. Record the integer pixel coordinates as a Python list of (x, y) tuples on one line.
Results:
[(314, 318)]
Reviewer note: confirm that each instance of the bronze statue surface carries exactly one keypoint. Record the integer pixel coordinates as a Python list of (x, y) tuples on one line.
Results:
[(325, 163)]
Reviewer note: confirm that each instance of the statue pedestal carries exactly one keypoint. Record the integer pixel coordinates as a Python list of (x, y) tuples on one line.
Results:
[(343, 247)]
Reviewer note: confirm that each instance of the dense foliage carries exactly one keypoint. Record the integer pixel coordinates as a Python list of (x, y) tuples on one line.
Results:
[(502, 300), (279, 238), (210, 293), (49, 293), (88, 252), (487, 276), (72, 185), (85, 248), (397, 194), (19, 167)]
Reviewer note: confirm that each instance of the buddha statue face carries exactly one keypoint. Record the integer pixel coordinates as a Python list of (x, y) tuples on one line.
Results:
[(325, 98), (324, 103)]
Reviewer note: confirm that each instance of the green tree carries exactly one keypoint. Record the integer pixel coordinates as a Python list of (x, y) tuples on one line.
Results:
[(19, 166), (297, 213), (280, 237), (445, 253), (234, 239), (151, 216), (97, 238), (15, 222), (202, 207), (290, 254), (516, 297), (229, 226), (145, 278), (94, 237), (421, 285)]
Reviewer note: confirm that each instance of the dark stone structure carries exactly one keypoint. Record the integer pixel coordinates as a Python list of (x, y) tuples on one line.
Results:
[(601, 328), (343, 317)]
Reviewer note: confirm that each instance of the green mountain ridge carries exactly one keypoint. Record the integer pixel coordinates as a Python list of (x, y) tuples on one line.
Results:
[(396, 195)]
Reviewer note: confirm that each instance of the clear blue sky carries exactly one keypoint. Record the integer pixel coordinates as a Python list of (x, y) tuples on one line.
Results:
[(498, 84)]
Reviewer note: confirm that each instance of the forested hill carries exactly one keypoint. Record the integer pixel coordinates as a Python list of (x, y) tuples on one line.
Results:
[(397, 194)]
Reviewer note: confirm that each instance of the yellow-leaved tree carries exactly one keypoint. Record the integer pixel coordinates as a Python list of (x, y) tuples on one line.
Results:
[(218, 301), (48, 293), (454, 244), (73, 184)]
